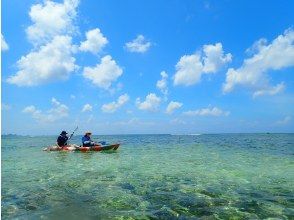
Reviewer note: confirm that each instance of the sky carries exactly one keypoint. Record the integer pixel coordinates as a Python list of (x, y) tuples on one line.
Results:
[(147, 67)]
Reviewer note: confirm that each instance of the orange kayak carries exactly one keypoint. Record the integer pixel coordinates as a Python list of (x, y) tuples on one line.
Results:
[(83, 149)]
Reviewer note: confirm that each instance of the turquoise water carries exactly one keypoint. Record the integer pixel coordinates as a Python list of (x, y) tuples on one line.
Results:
[(224, 176)]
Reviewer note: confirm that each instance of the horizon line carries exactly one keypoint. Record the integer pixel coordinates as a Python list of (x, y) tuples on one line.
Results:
[(175, 134)]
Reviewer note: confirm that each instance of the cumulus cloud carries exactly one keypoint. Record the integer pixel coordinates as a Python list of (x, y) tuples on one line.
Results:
[(257, 46), (214, 58), (162, 83), (151, 103), (277, 55), (214, 111), (95, 41), (87, 108), (103, 74), (284, 121), (113, 106), (138, 45), (172, 106), (51, 32), (190, 68), (52, 62), (51, 19), (58, 111), (4, 45)]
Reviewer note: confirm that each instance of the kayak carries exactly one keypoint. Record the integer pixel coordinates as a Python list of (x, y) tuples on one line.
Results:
[(98, 148), (83, 149)]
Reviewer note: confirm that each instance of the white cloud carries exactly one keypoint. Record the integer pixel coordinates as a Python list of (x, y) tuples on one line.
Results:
[(4, 45), (5, 107), (151, 103), (270, 91), (113, 106), (284, 121), (172, 106), (72, 96), (162, 83), (58, 111), (253, 72), (190, 68), (51, 58), (87, 108), (138, 45), (207, 112), (55, 102), (95, 41), (30, 109), (51, 19), (52, 62), (215, 58), (104, 74), (257, 46)]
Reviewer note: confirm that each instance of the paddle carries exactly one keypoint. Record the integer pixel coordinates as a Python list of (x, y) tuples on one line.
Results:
[(72, 133)]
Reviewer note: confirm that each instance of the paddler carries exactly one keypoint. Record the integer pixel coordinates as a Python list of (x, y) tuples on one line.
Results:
[(87, 141), (62, 139)]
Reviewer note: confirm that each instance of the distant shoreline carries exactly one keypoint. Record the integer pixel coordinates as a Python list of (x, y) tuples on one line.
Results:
[(193, 134)]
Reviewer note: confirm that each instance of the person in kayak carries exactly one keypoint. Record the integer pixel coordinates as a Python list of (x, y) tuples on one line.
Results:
[(86, 140), (62, 139)]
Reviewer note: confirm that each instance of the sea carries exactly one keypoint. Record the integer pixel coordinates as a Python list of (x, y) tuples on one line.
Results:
[(203, 176)]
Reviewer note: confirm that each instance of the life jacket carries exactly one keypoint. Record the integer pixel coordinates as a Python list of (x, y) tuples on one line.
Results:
[(62, 140)]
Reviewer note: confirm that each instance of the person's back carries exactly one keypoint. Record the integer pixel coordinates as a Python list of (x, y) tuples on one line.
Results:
[(62, 139)]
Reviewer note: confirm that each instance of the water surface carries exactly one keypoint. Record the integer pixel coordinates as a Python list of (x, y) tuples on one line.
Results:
[(224, 176)]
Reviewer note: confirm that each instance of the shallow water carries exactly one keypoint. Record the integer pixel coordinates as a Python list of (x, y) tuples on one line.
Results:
[(224, 176)]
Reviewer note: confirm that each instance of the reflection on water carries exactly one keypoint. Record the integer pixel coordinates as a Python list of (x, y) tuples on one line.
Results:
[(245, 176)]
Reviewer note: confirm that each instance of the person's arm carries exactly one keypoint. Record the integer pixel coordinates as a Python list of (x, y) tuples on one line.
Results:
[(91, 141), (86, 140)]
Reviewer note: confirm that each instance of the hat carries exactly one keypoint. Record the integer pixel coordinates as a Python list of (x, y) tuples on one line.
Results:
[(88, 132), (63, 132)]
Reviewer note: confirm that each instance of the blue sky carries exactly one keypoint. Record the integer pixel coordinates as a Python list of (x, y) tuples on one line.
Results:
[(118, 67)]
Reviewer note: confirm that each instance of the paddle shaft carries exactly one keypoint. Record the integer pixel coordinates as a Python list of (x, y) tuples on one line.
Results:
[(72, 133)]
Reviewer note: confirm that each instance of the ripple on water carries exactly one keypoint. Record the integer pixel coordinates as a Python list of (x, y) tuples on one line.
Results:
[(152, 177)]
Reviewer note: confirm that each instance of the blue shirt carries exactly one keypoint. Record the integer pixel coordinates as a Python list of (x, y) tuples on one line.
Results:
[(86, 140)]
